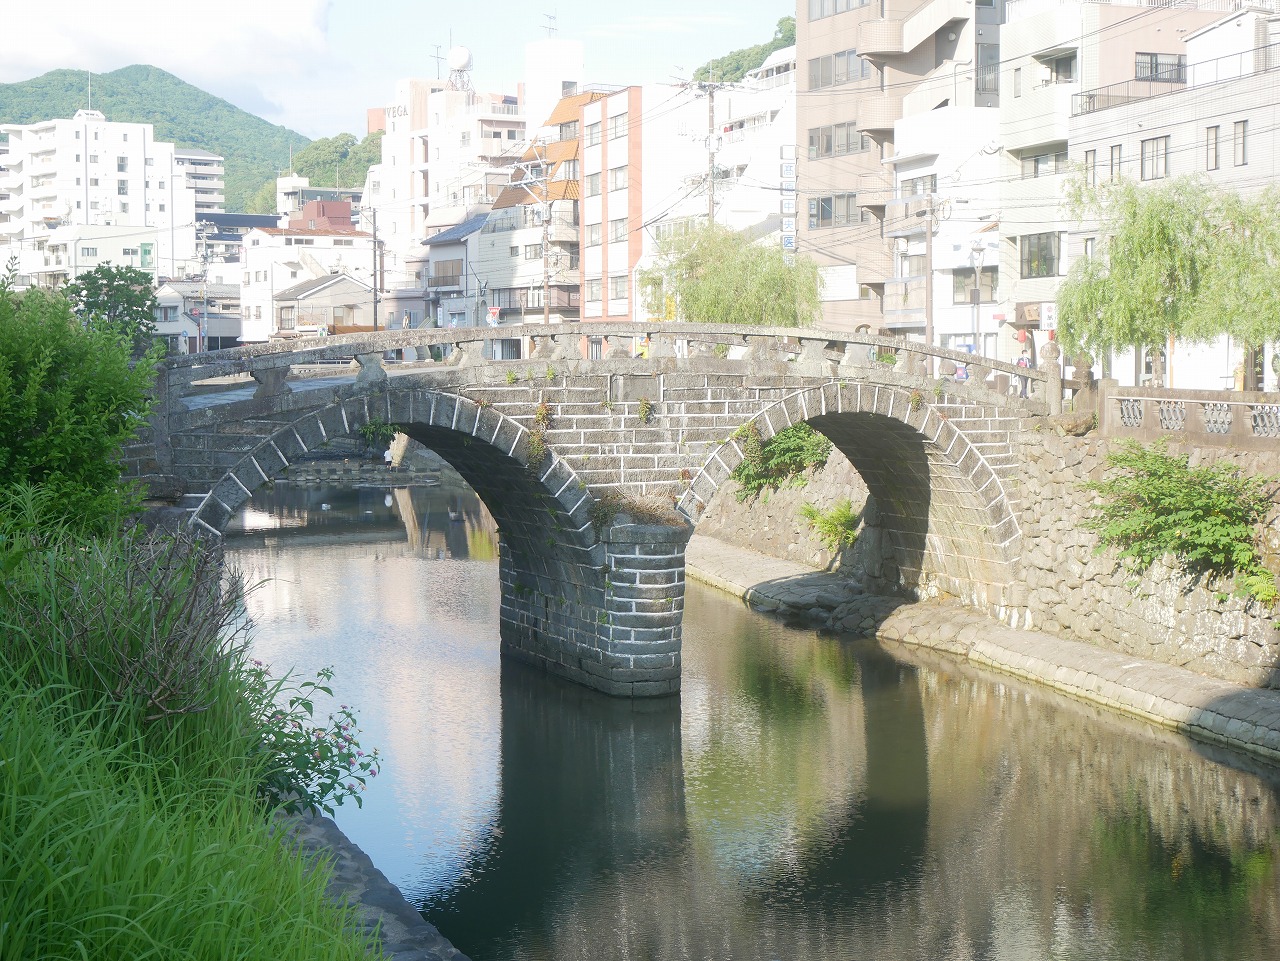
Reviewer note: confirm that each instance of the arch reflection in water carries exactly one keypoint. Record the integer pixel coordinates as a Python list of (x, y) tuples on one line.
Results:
[(804, 798)]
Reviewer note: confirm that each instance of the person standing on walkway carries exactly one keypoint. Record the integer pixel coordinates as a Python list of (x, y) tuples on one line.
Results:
[(1025, 362)]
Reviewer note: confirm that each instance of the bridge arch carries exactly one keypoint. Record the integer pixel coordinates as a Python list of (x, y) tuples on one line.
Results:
[(943, 509), (579, 597)]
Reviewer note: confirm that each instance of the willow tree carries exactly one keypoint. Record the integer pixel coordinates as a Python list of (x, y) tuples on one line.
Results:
[(715, 275), (1179, 260)]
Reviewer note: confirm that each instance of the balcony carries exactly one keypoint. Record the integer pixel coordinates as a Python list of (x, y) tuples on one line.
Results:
[(887, 38), (1118, 94), (875, 191), (878, 112), (903, 299)]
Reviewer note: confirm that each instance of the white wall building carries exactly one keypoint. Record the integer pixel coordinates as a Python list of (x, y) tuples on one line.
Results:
[(91, 172), (278, 258), (1211, 112)]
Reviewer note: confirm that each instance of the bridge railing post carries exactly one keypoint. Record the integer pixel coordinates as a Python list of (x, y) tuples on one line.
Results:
[(1049, 355), (271, 382), (372, 372)]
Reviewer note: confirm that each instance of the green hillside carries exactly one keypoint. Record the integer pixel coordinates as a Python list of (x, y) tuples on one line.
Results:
[(255, 150), (734, 65)]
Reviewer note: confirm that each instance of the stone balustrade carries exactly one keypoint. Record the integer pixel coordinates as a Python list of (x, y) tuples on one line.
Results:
[(1247, 420)]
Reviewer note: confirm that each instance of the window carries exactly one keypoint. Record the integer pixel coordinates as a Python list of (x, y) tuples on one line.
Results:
[(837, 140), (515, 251), (618, 126), (286, 318), (569, 130), (618, 178), (1115, 161), (618, 287), (1160, 67), (592, 136), (1062, 69), (1210, 148), (88, 251), (593, 288), (988, 75), (1239, 139), (464, 139), (836, 210), (1017, 82), (122, 165), (150, 162), (1038, 254), (1091, 167), (77, 158), (1089, 244), (162, 208), (962, 285), (568, 170), (1045, 164), (246, 281), (93, 158), (1155, 158), (162, 185), (593, 235), (124, 207), (344, 242), (837, 68), (122, 188), (93, 181), (916, 186), (533, 251), (618, 229), (591, 185)]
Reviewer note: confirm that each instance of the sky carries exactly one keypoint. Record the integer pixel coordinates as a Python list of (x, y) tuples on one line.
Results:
[(316, 66)]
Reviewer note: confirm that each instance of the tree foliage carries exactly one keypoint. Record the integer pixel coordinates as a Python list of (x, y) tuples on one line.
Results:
[(255, 150), (734, 66), (1180, 259), (69, 400), (339, 161), (716, 275), (1155, 503), (116, 300)]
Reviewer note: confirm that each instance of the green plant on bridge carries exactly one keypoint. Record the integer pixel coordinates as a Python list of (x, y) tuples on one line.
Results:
[(779, 460), (836, 528), (512, 377), (542, 417), (376, 433), (646, 410), (1155, 504), (915, 400)]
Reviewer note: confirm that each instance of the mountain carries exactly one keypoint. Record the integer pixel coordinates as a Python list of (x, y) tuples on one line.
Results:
[(255, 150), (734, 65)]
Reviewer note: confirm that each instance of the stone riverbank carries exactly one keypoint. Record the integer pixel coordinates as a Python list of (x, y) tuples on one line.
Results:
[(1209, 709)]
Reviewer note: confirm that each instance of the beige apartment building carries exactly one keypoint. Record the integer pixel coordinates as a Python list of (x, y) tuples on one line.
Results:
[(862, 67)]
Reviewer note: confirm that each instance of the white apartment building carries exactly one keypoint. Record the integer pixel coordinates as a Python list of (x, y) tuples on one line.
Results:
[(205, 175), (1210, 109), (91, 172), (277, 258), (1053, 53)]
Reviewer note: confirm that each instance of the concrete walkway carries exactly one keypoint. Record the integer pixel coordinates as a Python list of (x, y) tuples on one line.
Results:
[(1247, 719)]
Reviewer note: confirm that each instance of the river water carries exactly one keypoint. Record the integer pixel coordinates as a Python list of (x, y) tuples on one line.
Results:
[(805, 797)]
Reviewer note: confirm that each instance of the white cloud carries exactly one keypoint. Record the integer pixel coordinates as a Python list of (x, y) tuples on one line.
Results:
[(252, 52)]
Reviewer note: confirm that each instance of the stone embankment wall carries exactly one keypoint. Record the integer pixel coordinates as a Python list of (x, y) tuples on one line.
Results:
[(772, 524), (1163, 615), (1066, 588)]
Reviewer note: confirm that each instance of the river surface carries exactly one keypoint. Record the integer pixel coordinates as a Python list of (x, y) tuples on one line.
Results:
[(805, 797)]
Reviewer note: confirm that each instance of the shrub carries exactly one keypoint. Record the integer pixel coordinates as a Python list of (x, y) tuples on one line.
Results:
[(69, 401), (1156, 504), (836, 528), (779, 460), (377, 433)]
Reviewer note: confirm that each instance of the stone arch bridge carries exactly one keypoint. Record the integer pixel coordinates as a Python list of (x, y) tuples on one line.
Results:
[(597, 470)]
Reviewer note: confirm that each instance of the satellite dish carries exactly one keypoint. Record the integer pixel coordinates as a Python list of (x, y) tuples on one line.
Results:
[(459, 58)]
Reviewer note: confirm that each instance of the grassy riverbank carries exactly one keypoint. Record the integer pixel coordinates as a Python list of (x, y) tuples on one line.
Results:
[(141, 758)]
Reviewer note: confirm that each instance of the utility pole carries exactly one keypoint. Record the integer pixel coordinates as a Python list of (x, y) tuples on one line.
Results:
[(202, 328), (373, 214), (710, 89)]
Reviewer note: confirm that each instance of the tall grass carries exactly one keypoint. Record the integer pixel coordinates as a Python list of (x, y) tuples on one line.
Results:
[(133, 754)]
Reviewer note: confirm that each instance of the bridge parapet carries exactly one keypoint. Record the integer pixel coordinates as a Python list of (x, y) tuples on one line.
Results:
[(810, 351), (1248, 420)]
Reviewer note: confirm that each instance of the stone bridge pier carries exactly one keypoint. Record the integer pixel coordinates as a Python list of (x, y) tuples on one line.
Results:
[(596, 471)]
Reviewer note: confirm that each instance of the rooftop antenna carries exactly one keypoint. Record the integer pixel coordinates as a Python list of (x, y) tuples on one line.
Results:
[(550, 25), (437, 57), (90, 73)]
